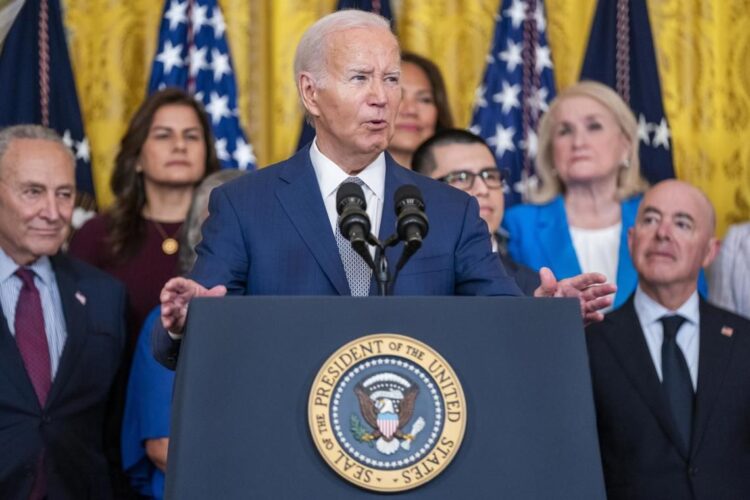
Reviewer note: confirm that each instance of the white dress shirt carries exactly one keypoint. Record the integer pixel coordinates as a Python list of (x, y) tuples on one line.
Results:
[(330, 176), (45, 282), (688, 336)]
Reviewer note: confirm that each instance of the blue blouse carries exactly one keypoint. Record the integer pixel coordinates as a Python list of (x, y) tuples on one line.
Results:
[(148, 405)]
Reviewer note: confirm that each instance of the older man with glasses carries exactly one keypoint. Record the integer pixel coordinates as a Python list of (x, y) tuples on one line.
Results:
[(463, 160)]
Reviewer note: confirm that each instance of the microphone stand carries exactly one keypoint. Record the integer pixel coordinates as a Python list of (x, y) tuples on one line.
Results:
[(380, 268)]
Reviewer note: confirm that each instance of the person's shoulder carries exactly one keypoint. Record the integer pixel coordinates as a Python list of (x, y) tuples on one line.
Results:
[(730, 321), (262, 179), (82, 271), (738, 233), (92, 230), (613, 320), (526, 211)]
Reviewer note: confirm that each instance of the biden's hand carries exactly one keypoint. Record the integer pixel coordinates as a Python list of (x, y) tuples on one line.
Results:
[(591, 289), (175, 297)]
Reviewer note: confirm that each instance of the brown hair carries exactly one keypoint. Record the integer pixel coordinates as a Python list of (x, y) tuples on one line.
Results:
[(127, 228), (444, 116)]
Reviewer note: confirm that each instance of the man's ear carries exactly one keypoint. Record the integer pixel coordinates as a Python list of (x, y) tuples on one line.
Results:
[(308, 91), (712, 250)]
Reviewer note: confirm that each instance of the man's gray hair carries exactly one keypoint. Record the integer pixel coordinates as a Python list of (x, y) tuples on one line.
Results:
[(311, 50), (9, 134)]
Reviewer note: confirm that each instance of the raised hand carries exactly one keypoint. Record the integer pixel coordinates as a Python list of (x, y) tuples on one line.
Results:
[(175, 297), (591, 289)]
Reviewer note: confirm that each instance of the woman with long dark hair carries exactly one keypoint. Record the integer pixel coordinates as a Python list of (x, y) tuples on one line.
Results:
[(165, 153)]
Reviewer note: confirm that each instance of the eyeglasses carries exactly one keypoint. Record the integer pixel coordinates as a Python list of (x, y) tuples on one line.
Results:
[(493, 178)]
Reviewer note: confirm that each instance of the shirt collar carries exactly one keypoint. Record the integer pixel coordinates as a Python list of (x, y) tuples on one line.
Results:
[(330, 175), (650, 311), (41, 266)]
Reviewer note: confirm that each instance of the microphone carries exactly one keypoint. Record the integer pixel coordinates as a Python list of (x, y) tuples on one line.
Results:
[(353, 221), (411, 223)]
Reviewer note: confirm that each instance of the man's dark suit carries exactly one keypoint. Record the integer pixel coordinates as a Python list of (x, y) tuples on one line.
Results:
[(70, 428), (269, 234), (639, 443), (526, 278)]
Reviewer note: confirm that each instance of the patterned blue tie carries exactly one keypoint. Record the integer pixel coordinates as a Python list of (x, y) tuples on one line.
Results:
[(677, 383), (358, 273)]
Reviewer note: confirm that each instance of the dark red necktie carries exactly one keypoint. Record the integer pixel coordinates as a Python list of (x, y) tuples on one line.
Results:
[(31, 336)]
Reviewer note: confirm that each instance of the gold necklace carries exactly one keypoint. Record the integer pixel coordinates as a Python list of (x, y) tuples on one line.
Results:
[(169, 244)]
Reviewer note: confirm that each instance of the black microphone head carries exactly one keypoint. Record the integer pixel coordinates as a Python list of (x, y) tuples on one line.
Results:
[(411, 224), (350, 192), (408, 195)]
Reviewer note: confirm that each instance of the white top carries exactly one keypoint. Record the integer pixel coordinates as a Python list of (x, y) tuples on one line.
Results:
[(598, 249), (49, 294), (688, 336), (330, 176), (729, 277)]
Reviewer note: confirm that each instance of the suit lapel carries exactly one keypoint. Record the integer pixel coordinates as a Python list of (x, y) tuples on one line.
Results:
[(713, 360), (629, 346), (12, 364), (394, 179), (627, 278), (75, 322), (553, 229), (301, 200)]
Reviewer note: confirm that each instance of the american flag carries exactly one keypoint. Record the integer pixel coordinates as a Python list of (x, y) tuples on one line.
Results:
[(193, 54), (621, 54), (37, 82), (517, 87)]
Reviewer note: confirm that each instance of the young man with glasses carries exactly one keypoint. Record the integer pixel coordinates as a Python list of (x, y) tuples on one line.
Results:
[(463, 160)]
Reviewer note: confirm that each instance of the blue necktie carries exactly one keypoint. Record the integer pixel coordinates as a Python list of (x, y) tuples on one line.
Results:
[(358, 273), (676, 381)]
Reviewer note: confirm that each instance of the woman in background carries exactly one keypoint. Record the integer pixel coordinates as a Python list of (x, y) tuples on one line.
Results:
[(589, 192), (167, 150), (148, 402), (424, 107), (729, 279)]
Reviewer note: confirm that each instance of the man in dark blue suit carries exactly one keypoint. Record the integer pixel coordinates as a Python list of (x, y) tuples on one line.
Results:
[(61, 330), (274, 231), (670, 371)]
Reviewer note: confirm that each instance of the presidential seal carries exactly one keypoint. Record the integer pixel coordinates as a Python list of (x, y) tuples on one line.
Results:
[(387, 412)]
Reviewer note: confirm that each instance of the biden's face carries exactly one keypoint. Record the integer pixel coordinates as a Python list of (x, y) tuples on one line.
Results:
[(354, 107)]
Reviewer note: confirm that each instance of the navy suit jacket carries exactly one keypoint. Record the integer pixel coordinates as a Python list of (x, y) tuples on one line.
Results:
[(70, 427), (268, 233), (640, 447)]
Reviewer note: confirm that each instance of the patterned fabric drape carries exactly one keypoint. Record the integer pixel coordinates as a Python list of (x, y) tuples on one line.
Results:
[(702, 51)]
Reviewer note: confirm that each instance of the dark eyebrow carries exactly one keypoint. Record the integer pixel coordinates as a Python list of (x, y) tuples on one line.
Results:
[(170, 129), (651, 210), (684, 215)]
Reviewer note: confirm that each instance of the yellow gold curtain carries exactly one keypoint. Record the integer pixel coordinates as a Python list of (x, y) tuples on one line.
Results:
[(702, 49)]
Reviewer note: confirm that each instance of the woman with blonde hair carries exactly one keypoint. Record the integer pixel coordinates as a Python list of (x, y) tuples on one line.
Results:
[(589, 190)]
